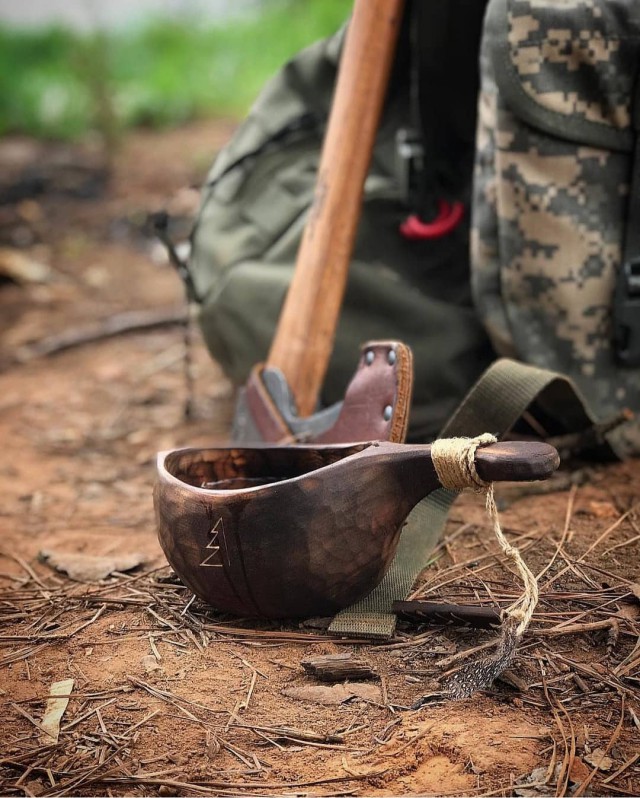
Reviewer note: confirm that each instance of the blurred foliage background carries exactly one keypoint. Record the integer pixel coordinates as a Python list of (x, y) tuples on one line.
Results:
[(60, 83)]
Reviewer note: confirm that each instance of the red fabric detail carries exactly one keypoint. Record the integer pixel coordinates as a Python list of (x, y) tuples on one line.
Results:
[(448, 218)]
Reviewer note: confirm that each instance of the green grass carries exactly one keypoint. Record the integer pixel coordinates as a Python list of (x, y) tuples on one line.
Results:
[(56, 83)]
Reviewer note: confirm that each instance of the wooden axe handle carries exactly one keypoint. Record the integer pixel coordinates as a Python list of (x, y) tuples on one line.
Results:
[(304, 338)]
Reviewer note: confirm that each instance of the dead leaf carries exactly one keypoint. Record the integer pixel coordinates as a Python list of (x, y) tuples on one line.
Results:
[(579, 771), (88, 567), (630, 612), (150, 663), (21, 268), (635, 589), (534, 784), (56, 706), (603, 510), (334, 694), (599, 759), (531, 792)]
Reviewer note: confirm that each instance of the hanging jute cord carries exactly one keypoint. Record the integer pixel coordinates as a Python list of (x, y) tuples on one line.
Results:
[(454, 461)]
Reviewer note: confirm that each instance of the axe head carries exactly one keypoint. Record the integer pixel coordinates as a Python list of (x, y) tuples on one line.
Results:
[(375, 407)]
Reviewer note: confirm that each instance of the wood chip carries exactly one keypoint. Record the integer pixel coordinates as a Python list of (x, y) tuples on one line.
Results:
[(513, 680), (56, 706), (338, 668)]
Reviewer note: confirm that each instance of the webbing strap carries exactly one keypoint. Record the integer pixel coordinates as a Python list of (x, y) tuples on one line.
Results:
[(493, 404), (372, 616), (632, 234)]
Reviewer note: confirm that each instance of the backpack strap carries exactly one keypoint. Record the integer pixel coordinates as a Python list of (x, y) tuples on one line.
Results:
[(626, 309), (435, 154), (494, 403), (446, 52)]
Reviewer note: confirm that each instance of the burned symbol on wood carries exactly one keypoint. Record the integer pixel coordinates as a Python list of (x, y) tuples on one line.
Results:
[(214, 559)]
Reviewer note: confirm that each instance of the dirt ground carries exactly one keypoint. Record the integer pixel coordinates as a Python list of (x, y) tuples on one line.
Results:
[(170, 697)]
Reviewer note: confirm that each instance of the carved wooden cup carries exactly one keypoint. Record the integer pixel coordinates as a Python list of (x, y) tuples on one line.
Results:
[(297, 531)]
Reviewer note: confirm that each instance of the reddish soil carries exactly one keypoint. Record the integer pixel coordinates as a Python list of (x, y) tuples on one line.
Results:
[(170, 697)]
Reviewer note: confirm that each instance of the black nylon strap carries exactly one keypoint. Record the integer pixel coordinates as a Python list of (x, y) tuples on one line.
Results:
[(632, 234), (626, 302), (445, 51)]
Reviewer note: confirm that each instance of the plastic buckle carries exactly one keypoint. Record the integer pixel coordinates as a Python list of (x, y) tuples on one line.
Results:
[(409, 161), (626, 314)]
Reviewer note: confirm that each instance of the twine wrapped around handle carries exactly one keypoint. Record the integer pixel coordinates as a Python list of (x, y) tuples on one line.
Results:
[(454, 461)]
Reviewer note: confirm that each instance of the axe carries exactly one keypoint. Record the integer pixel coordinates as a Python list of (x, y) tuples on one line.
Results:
[(279, 401)]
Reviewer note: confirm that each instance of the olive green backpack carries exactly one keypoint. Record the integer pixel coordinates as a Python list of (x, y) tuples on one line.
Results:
[(555, 252), (417, 291)]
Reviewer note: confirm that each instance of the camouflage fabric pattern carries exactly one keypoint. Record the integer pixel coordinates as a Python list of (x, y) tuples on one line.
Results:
[(549, 204), (554, 44)]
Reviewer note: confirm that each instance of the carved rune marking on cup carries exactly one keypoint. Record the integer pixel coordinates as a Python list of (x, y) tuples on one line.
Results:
[(213, 560)]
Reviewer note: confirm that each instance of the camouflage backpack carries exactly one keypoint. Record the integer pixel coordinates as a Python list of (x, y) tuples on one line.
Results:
[(556, 210)]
